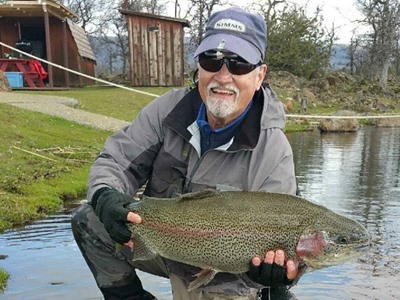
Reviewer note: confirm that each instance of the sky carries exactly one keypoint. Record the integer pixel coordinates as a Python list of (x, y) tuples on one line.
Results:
[(341, 13)]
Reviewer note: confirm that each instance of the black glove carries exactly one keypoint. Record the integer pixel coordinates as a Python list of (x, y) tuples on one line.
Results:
[(111, 208), (271, 275)]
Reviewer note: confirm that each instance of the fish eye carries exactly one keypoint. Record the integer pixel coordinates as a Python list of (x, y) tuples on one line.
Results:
[(342, 239)]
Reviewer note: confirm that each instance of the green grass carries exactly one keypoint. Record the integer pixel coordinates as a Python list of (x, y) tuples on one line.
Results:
[(43, 160), (110, 101), (3, 279)]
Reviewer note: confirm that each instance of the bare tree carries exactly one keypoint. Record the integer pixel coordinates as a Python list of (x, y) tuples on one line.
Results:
[(383, 18), (352, 50), (90, 12), (155, 7), (198, 13)]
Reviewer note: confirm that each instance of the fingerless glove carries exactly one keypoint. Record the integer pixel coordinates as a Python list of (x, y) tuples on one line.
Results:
[(111, 208), (271, 275)]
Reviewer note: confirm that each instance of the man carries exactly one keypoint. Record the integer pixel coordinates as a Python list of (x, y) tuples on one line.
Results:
[(226, 134)]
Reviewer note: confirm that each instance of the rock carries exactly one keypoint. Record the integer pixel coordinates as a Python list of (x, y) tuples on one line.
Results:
[(309, 95), (339, 125), (283, 79), (4, 85), (388, 122)]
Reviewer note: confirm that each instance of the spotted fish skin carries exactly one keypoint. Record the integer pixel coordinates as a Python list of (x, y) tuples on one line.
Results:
[(223, 231)]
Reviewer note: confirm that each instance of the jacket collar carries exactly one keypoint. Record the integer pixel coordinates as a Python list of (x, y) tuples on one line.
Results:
[(185, 113)]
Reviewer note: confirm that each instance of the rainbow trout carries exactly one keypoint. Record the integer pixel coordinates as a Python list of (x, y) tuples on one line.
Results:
[(223, 231)]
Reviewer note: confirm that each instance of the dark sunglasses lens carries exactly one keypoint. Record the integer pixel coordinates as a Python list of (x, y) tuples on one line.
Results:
[(240, 68), (235, 66), (210, 64)]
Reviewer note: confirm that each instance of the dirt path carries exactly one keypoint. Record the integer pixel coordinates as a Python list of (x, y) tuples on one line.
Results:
[(61, 107)]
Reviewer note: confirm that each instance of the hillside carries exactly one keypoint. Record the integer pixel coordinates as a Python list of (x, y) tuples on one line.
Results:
[(334, 92)]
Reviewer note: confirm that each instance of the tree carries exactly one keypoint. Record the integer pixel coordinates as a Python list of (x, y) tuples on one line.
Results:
[(90, 12), (198, 14), (381, 42), (296, 43), (155, 7)]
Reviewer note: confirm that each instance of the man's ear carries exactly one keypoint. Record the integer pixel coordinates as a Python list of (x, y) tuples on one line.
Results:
[(261, 75)]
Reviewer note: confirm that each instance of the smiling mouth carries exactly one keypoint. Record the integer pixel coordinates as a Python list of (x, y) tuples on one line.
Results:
[(222, 91)]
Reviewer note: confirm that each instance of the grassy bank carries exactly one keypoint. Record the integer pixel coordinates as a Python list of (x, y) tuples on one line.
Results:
[(45, 159), (3, 279)]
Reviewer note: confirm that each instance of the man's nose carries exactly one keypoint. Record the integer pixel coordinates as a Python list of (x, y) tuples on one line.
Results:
[(223, 75)]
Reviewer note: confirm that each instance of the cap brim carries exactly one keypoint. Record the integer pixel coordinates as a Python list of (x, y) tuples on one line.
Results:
[(233, 44)]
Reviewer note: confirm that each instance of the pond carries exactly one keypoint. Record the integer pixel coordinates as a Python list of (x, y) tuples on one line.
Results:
[(355, 174)]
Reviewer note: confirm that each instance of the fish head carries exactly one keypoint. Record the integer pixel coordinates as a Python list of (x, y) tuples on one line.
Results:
[(332, 240)]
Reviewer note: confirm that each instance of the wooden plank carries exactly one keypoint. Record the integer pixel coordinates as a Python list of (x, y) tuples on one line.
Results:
[(168, 56), (145, 79), (160, 56), (152, 53), (177, 76), (48, 46)]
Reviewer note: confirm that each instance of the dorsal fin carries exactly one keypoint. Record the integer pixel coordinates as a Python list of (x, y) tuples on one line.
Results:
[(197, 195)]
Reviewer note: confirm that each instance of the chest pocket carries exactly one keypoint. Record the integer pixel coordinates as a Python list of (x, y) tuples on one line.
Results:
[(169, 173)]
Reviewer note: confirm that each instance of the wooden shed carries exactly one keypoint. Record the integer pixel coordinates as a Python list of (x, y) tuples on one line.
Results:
[(49, 27), (156, 49)]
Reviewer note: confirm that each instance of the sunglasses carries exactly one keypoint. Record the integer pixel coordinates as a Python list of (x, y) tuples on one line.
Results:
[(236, 65)]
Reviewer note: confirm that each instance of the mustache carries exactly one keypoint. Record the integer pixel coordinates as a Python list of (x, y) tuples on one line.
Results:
[(215, 84)]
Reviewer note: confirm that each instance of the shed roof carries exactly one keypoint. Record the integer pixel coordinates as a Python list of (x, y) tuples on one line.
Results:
[(184, 22), (81, 40), (35, 8)]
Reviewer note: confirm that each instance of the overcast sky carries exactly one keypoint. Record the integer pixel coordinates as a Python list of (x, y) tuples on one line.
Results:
[(341, 13)]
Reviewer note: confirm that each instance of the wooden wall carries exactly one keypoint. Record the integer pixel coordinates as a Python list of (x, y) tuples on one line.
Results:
[(75, 61), (156, 57), (9, 34)]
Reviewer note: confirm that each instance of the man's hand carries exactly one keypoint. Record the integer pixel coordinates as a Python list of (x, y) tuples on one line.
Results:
[(272, 270), (111, 208), (133, 218)]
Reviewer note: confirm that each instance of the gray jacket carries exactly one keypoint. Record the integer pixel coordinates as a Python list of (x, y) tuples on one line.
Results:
[(161, 147)]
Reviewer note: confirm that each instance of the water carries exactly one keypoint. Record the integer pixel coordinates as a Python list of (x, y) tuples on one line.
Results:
[(355, 174)]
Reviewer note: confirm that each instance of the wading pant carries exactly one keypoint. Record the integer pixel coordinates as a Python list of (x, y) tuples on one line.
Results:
[(112, 269)]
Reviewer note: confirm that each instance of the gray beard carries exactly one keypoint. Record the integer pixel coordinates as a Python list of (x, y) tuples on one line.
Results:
[(221, 108)]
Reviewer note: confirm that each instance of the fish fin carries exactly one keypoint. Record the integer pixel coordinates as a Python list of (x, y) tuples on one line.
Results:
[(141, 251), (198, 195), (202, 278)]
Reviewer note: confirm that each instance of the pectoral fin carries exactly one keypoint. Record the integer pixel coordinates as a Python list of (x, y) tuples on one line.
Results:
[(141, 251), (202, 278)]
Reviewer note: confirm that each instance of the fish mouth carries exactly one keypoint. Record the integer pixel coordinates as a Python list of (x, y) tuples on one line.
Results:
[(364, 247)]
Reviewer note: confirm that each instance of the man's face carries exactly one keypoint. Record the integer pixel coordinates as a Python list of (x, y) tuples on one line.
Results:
[(226, 95)]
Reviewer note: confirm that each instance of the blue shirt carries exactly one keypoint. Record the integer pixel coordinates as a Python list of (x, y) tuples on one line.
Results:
[(210, 138)]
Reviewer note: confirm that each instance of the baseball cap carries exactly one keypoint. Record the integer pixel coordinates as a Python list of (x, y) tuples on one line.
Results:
[(237, 31)]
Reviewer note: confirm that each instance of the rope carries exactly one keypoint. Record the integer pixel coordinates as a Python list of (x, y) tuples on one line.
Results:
[(78, 73), (155, 95), (342, 117)]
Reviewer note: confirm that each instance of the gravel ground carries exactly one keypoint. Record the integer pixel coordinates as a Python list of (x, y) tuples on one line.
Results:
[(61, 107)]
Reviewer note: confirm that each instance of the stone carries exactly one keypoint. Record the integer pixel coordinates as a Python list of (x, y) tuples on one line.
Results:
[(339, 125), (388, 122)]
